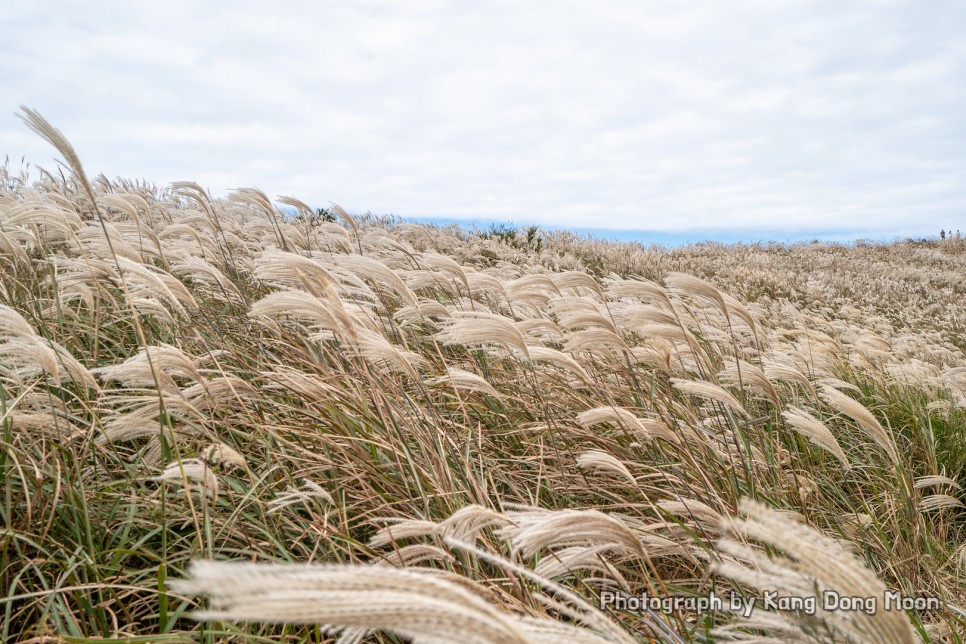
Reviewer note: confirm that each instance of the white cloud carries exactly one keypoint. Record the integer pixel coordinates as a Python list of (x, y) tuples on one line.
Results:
[(667, 116)]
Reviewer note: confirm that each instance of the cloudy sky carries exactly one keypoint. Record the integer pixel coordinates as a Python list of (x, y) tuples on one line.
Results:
[(752, 118)]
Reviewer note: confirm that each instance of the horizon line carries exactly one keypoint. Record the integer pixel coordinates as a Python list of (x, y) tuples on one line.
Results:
[(695, 235)]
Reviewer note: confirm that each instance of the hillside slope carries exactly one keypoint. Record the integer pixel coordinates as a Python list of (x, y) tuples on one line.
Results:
[(484, 434)]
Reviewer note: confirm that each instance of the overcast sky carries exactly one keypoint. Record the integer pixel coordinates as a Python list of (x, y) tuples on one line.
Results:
[(786, 116)]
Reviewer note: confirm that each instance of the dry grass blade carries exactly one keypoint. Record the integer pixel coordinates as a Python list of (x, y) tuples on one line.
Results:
[(749, 375), (809, 564), (385, 356), (191, 469), (400, 529), (709, 390), (533, 530), (444, 263), (328, 313), (697, 287), (484, 331), (52, 135), (416, 554), (815, 431), (705, 517), (465, 525), (937, 502), (559, 359), (462, 379), (934, 480), (600, 629), (787, 373), (413, 603), (604, 462), (25, 353), (377, 273), (153, 366), (642, 428), (292, 270), (567, 561), (643, 290), (225, 455), (618, 416), (309, 490), (595, 341), (857, 412), (576, 281)]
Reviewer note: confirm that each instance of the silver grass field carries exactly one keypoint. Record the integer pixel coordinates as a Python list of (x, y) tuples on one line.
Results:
[(225, 421)]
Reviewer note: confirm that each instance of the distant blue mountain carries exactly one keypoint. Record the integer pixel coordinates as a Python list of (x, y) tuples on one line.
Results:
[(673, 239)]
